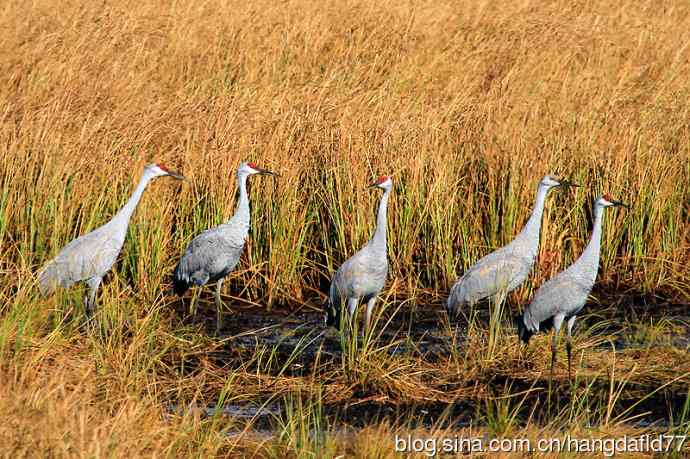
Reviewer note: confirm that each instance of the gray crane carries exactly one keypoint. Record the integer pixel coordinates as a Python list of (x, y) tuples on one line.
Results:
[(562, 297), (362, 276), (506, 268), (213, 254), (89, 257)]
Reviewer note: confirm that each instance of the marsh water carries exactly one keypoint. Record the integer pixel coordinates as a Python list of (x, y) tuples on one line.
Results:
[(295, 338)]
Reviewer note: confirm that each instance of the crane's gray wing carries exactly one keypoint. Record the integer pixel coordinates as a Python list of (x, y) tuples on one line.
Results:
[(210, 256), (355, 278), (564, 295), (341, 284), (361, 275), (492, 274), (91, 255)]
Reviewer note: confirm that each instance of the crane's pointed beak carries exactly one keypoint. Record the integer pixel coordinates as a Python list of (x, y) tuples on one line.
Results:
[(266, 172), (620, 204), (175, 175), (567, 183)]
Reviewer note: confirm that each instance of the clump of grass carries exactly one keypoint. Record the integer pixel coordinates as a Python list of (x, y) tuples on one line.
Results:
[(303, 430)]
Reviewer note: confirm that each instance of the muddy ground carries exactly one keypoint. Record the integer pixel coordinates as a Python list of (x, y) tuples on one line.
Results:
[(425, 333)]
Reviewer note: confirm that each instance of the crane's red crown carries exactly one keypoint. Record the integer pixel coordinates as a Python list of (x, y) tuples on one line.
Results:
[(162, 167), (381, 179), (608, 197), (253, 165)]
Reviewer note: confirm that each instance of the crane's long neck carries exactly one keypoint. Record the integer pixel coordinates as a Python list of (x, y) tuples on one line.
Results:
[(125, 213), (241, 215), (379, 239), (589, 259), (529, 236)]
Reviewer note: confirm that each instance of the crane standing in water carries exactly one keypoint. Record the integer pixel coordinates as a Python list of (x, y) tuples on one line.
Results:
[(506, 268), (89, 257), (213, 254), (362, 277), (563, 296)]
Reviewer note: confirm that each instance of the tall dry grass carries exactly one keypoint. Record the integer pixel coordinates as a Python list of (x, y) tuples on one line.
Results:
[(467, 104)]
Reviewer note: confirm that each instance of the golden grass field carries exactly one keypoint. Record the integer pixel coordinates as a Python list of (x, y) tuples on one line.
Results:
[(467, 104)]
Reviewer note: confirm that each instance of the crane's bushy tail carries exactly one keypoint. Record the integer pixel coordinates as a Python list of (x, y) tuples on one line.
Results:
[(180, 284), (523, 332), (49, 278), (452, 304), (332, 308)]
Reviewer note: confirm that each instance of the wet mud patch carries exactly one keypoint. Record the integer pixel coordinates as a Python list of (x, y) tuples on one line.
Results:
[(297, 340), (534, 407)]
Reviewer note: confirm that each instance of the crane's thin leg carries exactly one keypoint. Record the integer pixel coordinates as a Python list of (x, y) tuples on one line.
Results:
[(194, 305), (219, 306), (569, 345), (554, 348), (352, 304), (370, 310), (90, 300), (557, 323), (568, 348)]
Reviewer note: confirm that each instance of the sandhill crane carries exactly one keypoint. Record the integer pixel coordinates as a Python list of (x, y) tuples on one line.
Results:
[(89, 257), (505, 269), (363, 275), (563, 296), (213, 254)]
